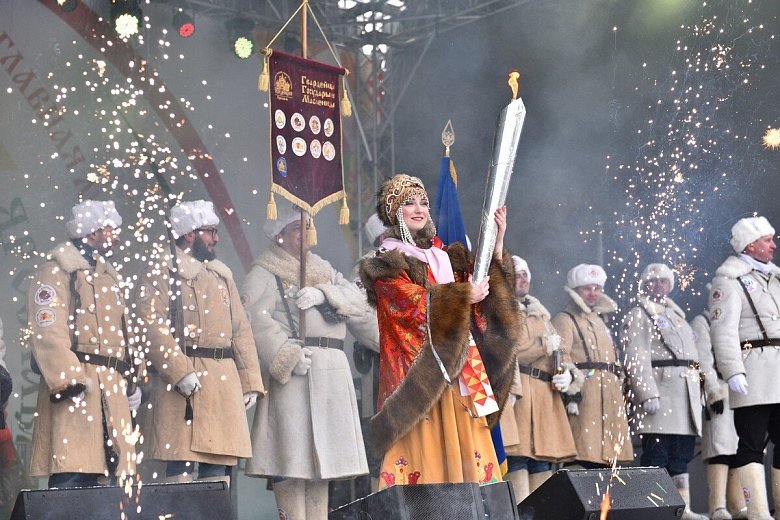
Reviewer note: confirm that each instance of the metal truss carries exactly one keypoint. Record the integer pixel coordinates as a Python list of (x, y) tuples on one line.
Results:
[(382, 74)]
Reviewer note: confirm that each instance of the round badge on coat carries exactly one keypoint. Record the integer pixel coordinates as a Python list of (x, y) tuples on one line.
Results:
[(662, 322), (45, 317), (45, 295), (750, 283)]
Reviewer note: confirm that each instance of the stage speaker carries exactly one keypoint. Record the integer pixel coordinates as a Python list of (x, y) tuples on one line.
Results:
[(635, 494), (423, 501), (196, 500)]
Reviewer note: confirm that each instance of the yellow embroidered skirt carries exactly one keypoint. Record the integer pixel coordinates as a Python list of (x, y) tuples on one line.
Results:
[(446, 446)]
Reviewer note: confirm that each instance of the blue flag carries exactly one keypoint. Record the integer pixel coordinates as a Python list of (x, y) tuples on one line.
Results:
[(450, 228), (446, 209)]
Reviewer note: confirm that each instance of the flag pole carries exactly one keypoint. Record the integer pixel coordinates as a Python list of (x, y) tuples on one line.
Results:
[(304, 237)]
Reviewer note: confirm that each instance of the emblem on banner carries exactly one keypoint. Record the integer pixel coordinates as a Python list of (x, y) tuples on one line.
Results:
[(281, 166), (282, 86)]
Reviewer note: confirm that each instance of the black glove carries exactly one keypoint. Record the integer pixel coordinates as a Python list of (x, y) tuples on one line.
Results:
[(363, 357), (717, 406)]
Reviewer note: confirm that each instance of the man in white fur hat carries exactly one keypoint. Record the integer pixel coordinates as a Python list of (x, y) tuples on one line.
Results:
[(664, 376), (83, 434), (534, 425), (597, 415), (204, 368), (307, 432), (745, 315)]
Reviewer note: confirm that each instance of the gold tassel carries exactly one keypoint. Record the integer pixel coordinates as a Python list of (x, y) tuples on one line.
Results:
[(263, 80), (346, 105), (311, 232), (270, 210), (344, 212)]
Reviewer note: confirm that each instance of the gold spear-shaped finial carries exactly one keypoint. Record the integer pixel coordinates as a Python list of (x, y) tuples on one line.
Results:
[(514, 83), (447, 137)]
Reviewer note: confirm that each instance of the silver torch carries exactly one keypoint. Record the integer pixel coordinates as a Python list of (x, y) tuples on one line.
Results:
[(502, 161)]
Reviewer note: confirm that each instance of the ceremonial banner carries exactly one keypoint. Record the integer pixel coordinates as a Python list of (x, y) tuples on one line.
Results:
[(446, 208), (305, 132)]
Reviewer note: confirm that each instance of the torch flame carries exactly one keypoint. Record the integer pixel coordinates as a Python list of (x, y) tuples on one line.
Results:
[(514, 83), (605, 507)]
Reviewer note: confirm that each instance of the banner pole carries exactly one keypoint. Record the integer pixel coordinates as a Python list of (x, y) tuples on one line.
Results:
[(302, 276)]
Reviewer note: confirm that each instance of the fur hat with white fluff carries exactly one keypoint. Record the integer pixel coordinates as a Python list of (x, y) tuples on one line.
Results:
[(285, 214), (521, 265), (373, 228), (189, 216), (657, 271), (91, 215), (585, 274), (748, 230)]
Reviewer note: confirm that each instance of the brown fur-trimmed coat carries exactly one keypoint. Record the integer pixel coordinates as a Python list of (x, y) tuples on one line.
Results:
[(451, 318)]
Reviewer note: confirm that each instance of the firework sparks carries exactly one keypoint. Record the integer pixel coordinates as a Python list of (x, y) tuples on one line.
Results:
[(772, 138)]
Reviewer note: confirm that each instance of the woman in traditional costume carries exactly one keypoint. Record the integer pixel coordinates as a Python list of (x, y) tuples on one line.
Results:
[(447, 346)]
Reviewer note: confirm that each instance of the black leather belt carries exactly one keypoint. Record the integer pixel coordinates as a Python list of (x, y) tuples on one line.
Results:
[(760, 343), (613, 368), (536, 373), (657, 363), (324, 342), (206, 352), (103, 361)]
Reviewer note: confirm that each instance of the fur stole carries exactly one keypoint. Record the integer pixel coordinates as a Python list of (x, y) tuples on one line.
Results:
[(450, 320), (279, 262)]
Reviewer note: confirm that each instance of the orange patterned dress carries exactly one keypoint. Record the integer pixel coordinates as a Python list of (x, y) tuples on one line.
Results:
[(450, 444)]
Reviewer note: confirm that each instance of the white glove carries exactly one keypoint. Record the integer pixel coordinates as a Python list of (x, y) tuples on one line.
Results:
[(78, 398), (738, 384), (510, 401), (309, 297), (573, 409), (134, 399), (304, 364), (652, 405), (562, 381), (188, 384), (250, 399)]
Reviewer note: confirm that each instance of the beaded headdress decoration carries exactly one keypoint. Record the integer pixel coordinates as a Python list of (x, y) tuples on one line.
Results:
[(402, 187)]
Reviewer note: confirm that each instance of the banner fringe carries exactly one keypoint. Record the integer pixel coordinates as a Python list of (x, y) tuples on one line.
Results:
[(270, 210)]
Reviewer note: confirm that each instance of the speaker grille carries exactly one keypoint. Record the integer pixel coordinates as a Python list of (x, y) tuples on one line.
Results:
[(451, 502)]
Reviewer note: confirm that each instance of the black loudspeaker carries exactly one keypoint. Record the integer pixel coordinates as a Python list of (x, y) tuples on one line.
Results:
[(635, 494), (196, 500), (424, 501)]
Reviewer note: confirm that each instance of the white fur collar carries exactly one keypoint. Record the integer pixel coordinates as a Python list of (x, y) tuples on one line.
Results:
[(734, 267), (282, 264), (189, 266), (605, 305), (656, 308), (70, 259), (534, 307)]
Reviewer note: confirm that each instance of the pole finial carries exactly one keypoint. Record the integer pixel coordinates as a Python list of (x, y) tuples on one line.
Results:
[(448, 137)]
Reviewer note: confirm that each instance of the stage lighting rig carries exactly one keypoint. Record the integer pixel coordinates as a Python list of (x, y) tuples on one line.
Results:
[(126, 17), (241, 39), (184, 24)]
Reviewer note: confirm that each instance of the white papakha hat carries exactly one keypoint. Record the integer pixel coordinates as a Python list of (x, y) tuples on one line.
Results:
[(91, 215), (657, 271), (748, 230), (189, 216), (586, 274)]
